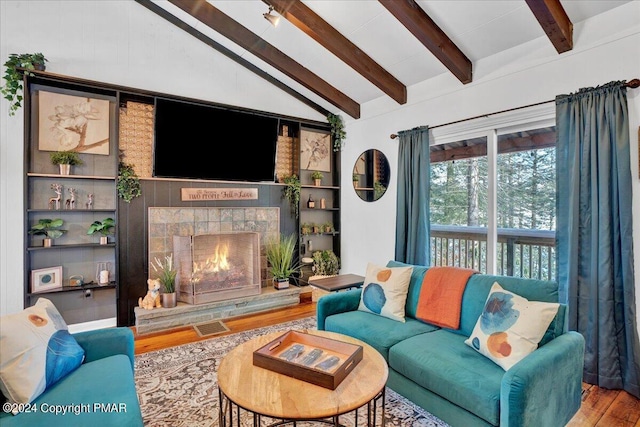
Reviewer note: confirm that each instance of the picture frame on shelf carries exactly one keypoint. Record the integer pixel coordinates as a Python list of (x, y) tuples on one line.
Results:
[(46, 279), (73, 123), (315, 150)]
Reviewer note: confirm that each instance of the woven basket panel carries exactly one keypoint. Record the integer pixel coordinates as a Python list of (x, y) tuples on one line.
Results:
[(136, 137)]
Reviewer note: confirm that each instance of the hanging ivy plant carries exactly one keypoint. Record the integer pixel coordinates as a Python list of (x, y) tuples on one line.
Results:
[(12, 90), (128, 182), (291, 192), (337, 131)]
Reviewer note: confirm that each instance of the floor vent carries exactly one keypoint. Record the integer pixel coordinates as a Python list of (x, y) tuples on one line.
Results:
[(210, 328)]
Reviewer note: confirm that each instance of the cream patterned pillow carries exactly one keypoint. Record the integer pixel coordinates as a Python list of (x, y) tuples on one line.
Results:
[(384, 291), (36, 351), (510, 326)]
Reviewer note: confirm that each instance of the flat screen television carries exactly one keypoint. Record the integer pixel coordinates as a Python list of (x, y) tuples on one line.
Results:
[(203, 142)]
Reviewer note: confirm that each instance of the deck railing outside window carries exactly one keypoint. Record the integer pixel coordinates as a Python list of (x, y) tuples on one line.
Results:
[(521, 252)]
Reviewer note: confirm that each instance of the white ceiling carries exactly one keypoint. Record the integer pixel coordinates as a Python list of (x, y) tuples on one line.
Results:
[(479, 28)]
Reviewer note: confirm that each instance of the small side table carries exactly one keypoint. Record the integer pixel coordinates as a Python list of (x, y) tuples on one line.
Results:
[(338, 283)]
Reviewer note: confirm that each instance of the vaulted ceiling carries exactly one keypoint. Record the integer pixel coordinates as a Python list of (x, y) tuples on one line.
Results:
[(335, 55)]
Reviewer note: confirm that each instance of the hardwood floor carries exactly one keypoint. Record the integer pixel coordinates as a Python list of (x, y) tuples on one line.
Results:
[(600, 407)]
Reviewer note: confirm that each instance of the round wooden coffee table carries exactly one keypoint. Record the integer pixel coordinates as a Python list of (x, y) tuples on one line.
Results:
[(262, 392)]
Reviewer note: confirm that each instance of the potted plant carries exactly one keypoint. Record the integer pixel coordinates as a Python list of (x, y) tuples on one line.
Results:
[(325, 263), (167, 276), (305, 229), (279, 253), (337, 131), (291, 192), (128, 182), (12, 90), (104, 227), (317, 176), (378, 190), (327, 227), (65, 159), (356, 179), (50, 228)]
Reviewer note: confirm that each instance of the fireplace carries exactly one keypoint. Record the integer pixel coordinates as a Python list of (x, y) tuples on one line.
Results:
[(216, 267)]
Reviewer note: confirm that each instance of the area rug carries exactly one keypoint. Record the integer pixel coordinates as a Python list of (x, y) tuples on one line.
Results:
[(177, 386)]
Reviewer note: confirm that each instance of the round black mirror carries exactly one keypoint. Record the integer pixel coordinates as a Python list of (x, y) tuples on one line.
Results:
[(371, 175)]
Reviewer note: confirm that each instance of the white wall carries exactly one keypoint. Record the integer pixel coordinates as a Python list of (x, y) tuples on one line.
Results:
[(118, 42), (606, 48)]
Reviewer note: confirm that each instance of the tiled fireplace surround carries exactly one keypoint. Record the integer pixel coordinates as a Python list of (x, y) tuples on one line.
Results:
[(164, 223)]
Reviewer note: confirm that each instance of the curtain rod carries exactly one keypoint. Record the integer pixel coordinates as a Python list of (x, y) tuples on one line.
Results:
[(633, 84)]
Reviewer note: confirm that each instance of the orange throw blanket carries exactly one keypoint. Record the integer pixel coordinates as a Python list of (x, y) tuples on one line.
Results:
[(440, 299)]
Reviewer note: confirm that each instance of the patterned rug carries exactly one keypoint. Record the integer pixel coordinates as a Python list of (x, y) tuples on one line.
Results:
[(177, 386)]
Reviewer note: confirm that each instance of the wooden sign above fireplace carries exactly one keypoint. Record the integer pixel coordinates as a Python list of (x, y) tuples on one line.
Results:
[(204, 194)]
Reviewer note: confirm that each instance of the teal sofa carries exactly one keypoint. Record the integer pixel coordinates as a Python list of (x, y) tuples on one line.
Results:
[(101, 392), (436, 370)]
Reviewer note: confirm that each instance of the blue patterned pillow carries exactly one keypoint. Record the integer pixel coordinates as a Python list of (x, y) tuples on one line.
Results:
[(384, 291), (36, 351), (510, 326)]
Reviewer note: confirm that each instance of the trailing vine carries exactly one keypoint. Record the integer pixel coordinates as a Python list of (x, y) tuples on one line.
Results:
[(12, 90), (291, 192), (337, 131), (128, 182)]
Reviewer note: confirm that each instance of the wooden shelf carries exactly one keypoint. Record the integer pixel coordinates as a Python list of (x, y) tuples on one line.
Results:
[(71, 210), (58, 176), (86, 286), (73, 246)]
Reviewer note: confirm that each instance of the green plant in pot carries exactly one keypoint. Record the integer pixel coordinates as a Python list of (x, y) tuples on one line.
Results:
[(337, 131), (291, 192), (104, 227), (325, 263), (167, 276), (317, 176), (65, 159), (15, 66), (279, 251), (50, 228)]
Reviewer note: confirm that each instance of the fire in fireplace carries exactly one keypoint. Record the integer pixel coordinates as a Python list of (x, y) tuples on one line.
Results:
[(215, 267)]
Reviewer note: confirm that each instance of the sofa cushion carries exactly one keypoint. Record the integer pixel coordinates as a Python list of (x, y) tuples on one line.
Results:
[(384, 291), (379, 332), (36, 351), (510, 326), (99, 393), (479, 285), (415, 285), (441, 362)]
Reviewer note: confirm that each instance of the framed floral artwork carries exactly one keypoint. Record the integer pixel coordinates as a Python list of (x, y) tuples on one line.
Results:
[(72, 123), (315, 150)]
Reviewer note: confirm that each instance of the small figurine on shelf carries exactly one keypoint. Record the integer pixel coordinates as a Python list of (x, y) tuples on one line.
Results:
[(71, 202), (54, 202), (90, 201)]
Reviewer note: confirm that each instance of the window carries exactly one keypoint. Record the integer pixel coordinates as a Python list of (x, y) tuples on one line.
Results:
[(493, 201)]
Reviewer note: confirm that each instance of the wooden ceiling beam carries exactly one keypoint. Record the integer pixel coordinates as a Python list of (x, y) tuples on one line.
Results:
[(554, 21), (223, 24), (318, 29), (231, 55), (416, 20)]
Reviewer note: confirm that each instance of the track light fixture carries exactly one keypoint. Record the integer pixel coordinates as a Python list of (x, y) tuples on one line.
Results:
[(273, 19)]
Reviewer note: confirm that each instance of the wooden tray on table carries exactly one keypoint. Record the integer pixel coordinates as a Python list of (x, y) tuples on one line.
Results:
[(289, 354)]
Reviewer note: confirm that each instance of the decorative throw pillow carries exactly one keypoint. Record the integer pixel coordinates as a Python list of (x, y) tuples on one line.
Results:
[(384, 291), (36, 351), (510, 326)]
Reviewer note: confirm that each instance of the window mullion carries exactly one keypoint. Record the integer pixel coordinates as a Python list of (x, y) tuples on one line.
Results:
[(492, 206)]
